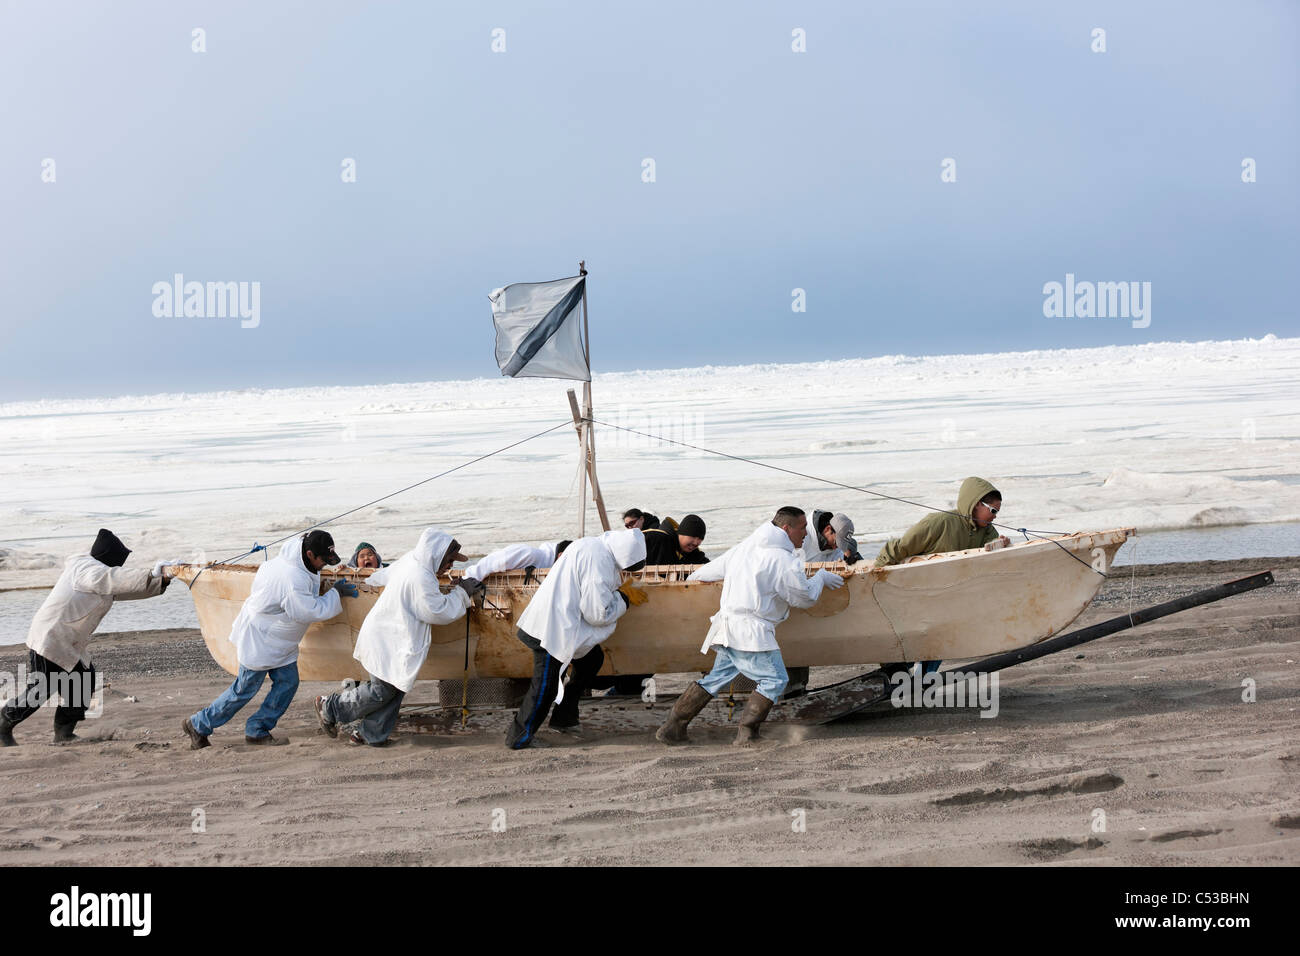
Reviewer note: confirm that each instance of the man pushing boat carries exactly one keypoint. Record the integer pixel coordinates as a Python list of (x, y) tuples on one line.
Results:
[(576, 608), (284, 602), (763, 577), (58, 642), (395, 636)]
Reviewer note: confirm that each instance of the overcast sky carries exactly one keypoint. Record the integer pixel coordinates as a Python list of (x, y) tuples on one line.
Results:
[(773, 170)]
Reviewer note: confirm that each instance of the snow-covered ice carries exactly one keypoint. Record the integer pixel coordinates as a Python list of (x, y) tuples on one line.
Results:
[(1160, 436)]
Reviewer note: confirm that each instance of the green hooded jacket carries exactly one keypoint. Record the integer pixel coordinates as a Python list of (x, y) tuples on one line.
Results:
[(942, 530)]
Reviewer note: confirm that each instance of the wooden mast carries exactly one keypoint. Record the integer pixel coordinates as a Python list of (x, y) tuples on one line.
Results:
[(587, 431)]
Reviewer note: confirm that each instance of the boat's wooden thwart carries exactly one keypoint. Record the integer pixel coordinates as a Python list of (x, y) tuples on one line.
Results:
[(959, 605)]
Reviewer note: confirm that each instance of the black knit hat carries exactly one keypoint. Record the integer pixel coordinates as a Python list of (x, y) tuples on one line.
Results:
[(692, 526), (109, 549)]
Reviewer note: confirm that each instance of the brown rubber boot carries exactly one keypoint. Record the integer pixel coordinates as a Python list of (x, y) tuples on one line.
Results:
[(755, 713), (197, 740), (690, 703)]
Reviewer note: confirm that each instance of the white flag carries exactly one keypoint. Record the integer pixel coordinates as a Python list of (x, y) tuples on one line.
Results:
[(539, 329)]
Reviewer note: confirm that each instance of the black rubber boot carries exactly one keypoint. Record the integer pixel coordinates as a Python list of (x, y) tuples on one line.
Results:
[(755, 713), (690, 703), (63, 733), (7, 732)]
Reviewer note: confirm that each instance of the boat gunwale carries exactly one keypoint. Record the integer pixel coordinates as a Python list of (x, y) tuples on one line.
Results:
[(678, 573)]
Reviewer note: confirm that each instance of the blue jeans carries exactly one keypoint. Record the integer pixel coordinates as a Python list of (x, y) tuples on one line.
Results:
[(284, 684), (765, 668)]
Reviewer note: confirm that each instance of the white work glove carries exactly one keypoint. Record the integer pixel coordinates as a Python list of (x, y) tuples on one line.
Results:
[(830, 579), (998, 543)]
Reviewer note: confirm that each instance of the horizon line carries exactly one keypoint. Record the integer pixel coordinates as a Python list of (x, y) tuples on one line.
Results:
[(1269, 338)]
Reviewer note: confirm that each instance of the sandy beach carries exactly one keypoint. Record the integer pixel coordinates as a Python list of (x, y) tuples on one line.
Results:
[(1148, 727)]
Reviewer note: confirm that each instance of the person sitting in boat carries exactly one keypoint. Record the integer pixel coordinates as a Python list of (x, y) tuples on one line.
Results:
[(640, 520), (58, 641), (676, 543), (970, 526), (395, 636), (573, 612), (832, 539), (762, 578), (365, 556), (517, 557), (285, 600)]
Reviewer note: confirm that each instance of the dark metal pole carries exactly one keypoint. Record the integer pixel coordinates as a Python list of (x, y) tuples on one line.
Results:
[(1123, 623)]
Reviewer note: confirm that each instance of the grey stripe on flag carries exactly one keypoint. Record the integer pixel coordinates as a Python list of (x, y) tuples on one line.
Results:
[(542, 332)]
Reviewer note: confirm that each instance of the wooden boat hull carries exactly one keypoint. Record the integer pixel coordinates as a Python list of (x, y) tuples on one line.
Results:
[(959, 605)]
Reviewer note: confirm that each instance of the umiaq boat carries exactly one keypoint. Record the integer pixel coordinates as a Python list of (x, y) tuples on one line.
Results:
[(957, 605)]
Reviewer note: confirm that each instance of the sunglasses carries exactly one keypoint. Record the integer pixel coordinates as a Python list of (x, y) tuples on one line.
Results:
[(991, 508)]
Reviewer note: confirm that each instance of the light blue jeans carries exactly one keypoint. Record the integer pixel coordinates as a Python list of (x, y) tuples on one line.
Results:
[(284, 684), (765, 668)]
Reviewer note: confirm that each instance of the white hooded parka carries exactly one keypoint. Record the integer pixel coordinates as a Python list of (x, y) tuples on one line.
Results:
[(284, 602), (84, 593), (762, 578), (578, 605), (515, 557), (394, 638)]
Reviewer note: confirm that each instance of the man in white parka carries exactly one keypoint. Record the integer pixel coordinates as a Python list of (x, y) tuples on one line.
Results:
[(576, 608), (58, 642), (763, 577), (284, 602), (394, 638)]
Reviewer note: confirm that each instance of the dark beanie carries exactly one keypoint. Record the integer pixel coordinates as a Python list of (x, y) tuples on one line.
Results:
[(109, 549), (692, 526)]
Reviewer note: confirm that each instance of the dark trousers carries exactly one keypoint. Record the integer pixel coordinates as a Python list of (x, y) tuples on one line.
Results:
[(625, 684), (45, 677), (541, 692)]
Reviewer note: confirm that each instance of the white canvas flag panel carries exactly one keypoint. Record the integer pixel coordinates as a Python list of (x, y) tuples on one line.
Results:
[(539, 329)]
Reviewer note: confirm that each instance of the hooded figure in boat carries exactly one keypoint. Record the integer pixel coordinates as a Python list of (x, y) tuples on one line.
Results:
[(285, 600), (970, 527), (942, 531), (830, 538), (394, 638), (575, 609), (762, 578)]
